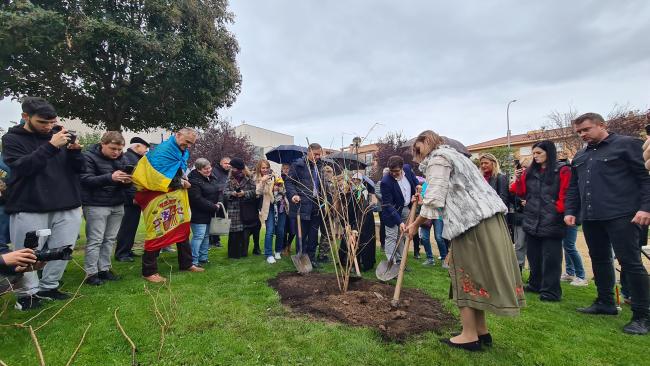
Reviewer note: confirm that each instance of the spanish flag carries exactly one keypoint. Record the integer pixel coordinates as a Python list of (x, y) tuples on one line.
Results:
[(166, 212)]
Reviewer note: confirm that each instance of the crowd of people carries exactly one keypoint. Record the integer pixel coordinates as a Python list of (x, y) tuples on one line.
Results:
[(484, 224)]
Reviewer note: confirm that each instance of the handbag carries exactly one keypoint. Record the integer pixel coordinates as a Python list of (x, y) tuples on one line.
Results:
[(220, 225)]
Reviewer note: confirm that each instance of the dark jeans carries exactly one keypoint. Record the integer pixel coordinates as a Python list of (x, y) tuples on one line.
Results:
[(382, 233), (309, 230), (623, 236), (545, 261), (150, 259), (128, 228)]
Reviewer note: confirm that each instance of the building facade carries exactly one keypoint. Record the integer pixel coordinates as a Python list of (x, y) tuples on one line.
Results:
[(264, 140)]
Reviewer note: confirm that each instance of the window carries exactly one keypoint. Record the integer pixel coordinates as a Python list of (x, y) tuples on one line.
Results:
[(369, 158), (525, 150), (559, 146)]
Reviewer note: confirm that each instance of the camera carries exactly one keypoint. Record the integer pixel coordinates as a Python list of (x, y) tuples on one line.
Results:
[(72, 133), (59, 254), (517, 164)]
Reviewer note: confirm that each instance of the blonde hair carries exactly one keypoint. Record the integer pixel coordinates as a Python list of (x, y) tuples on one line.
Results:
[(258, 167), (431, 140), (495, 163)]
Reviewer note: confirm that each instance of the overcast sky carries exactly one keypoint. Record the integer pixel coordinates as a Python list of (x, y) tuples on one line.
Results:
[(327, 69)]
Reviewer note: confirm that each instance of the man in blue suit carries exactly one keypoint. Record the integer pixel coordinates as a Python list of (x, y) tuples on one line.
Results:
[(397, 188), (303, 190)]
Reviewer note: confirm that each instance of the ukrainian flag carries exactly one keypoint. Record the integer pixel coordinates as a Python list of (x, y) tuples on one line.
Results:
[(156, 170), (166, 212)]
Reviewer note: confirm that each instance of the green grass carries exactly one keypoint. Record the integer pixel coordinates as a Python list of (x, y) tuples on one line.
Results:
[(229, 316)]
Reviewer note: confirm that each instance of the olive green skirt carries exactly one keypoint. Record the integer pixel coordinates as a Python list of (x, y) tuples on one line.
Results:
[(484, 270)]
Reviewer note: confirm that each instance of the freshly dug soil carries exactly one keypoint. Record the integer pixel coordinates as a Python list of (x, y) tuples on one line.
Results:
[(367, 303)]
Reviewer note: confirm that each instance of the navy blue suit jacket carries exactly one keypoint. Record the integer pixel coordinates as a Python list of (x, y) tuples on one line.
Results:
[(392, 200)]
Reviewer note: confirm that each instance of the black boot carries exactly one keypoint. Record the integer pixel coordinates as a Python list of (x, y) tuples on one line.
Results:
[(638, 326), (108, 276), (94, 280), (599, 308)]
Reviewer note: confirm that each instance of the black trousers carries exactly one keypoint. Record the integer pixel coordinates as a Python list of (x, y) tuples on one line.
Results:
[(289, 232), (382, 233), (126, 234), (255, 232), (309, 230), (623, 236), (150, 259), (238, 243), (545, 261)]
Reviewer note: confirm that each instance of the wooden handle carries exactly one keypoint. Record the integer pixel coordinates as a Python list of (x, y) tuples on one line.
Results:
[(405, 253)]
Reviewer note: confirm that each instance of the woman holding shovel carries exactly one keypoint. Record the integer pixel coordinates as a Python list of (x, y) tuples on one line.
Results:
[(482, 262)]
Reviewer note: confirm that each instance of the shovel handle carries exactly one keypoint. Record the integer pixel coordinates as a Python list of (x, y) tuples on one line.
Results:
[(405, 252), (299, 224)]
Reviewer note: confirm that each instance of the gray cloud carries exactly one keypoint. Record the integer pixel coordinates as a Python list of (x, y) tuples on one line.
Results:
[(317, 68)]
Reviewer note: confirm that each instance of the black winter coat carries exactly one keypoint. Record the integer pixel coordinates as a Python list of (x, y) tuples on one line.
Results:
[(221, 175), (204, 194), (97, 185), (300, 182), (43, 178), (540, 213), (130, 157), (500, 184)]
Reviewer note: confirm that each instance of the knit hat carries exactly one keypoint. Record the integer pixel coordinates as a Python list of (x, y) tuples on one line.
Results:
[(237, 163)]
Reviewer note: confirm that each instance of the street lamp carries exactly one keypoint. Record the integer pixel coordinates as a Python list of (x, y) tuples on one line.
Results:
[(508, 120)]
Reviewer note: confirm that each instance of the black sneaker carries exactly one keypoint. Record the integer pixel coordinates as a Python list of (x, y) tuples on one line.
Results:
[(598, 308), (53, 294), (125, 259), (636, 326), (94, 280), (107, 276), (27, 303)]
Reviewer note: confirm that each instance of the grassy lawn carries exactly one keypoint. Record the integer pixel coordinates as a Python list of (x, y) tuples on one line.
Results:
[(229, 316)]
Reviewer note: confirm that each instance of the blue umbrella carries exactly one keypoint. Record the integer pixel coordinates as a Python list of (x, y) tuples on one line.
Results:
[(285, 154)]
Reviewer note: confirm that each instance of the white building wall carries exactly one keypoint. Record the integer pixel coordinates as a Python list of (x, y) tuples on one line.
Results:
[(264, 140), (155, 136)]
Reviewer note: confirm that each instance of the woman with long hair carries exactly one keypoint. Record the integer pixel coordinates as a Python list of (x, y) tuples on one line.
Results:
[(273, 213), (241, 201), (543, 186), (491, 170), (482, 262)]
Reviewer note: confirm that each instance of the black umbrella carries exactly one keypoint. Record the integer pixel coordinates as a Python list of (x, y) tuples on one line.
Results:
[(347, 160), (455, 144), (285, 154)]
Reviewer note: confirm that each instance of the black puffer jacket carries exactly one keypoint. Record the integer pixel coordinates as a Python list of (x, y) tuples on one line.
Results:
[(97, 185), (499, 183), (204, 194), (541, 217)]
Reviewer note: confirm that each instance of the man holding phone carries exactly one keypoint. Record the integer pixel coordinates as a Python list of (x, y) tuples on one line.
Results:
[(129, 226), (104, 184), (44, 193)]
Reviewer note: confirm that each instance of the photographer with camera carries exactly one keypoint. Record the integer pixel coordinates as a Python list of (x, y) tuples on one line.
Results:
[(12, 266), (103, 189), (43, 193)]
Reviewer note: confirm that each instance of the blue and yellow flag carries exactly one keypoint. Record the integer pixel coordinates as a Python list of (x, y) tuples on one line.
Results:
[(156, 170), (166, 212)]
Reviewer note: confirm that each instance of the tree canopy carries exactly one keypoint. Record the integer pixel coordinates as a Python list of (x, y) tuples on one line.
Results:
[(137, 64)]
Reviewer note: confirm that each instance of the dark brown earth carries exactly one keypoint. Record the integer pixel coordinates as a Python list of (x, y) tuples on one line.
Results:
[(367, 303)]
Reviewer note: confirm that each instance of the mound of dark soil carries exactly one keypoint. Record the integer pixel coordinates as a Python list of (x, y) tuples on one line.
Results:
[(367, 303)]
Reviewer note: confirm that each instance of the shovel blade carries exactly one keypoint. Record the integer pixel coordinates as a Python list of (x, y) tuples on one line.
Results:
[(302, 263), (386, 270)]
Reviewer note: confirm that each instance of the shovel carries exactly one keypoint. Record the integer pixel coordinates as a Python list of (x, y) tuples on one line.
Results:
[(388, 269), (353, 235), (300, 260)]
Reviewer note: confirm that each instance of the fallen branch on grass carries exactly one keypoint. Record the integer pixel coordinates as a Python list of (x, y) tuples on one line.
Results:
[(78, 346), (39, 351), (119, 326)]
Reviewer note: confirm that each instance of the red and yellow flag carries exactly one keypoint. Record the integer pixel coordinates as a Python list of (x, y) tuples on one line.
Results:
[(166, 216)]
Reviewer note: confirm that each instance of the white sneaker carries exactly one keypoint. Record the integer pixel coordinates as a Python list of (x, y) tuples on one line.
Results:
[(579, 282), (270, 259), (567, 278), (278, 256)]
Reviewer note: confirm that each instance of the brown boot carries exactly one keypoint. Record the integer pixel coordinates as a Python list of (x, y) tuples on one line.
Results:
[(155, 278), (195, 269)]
